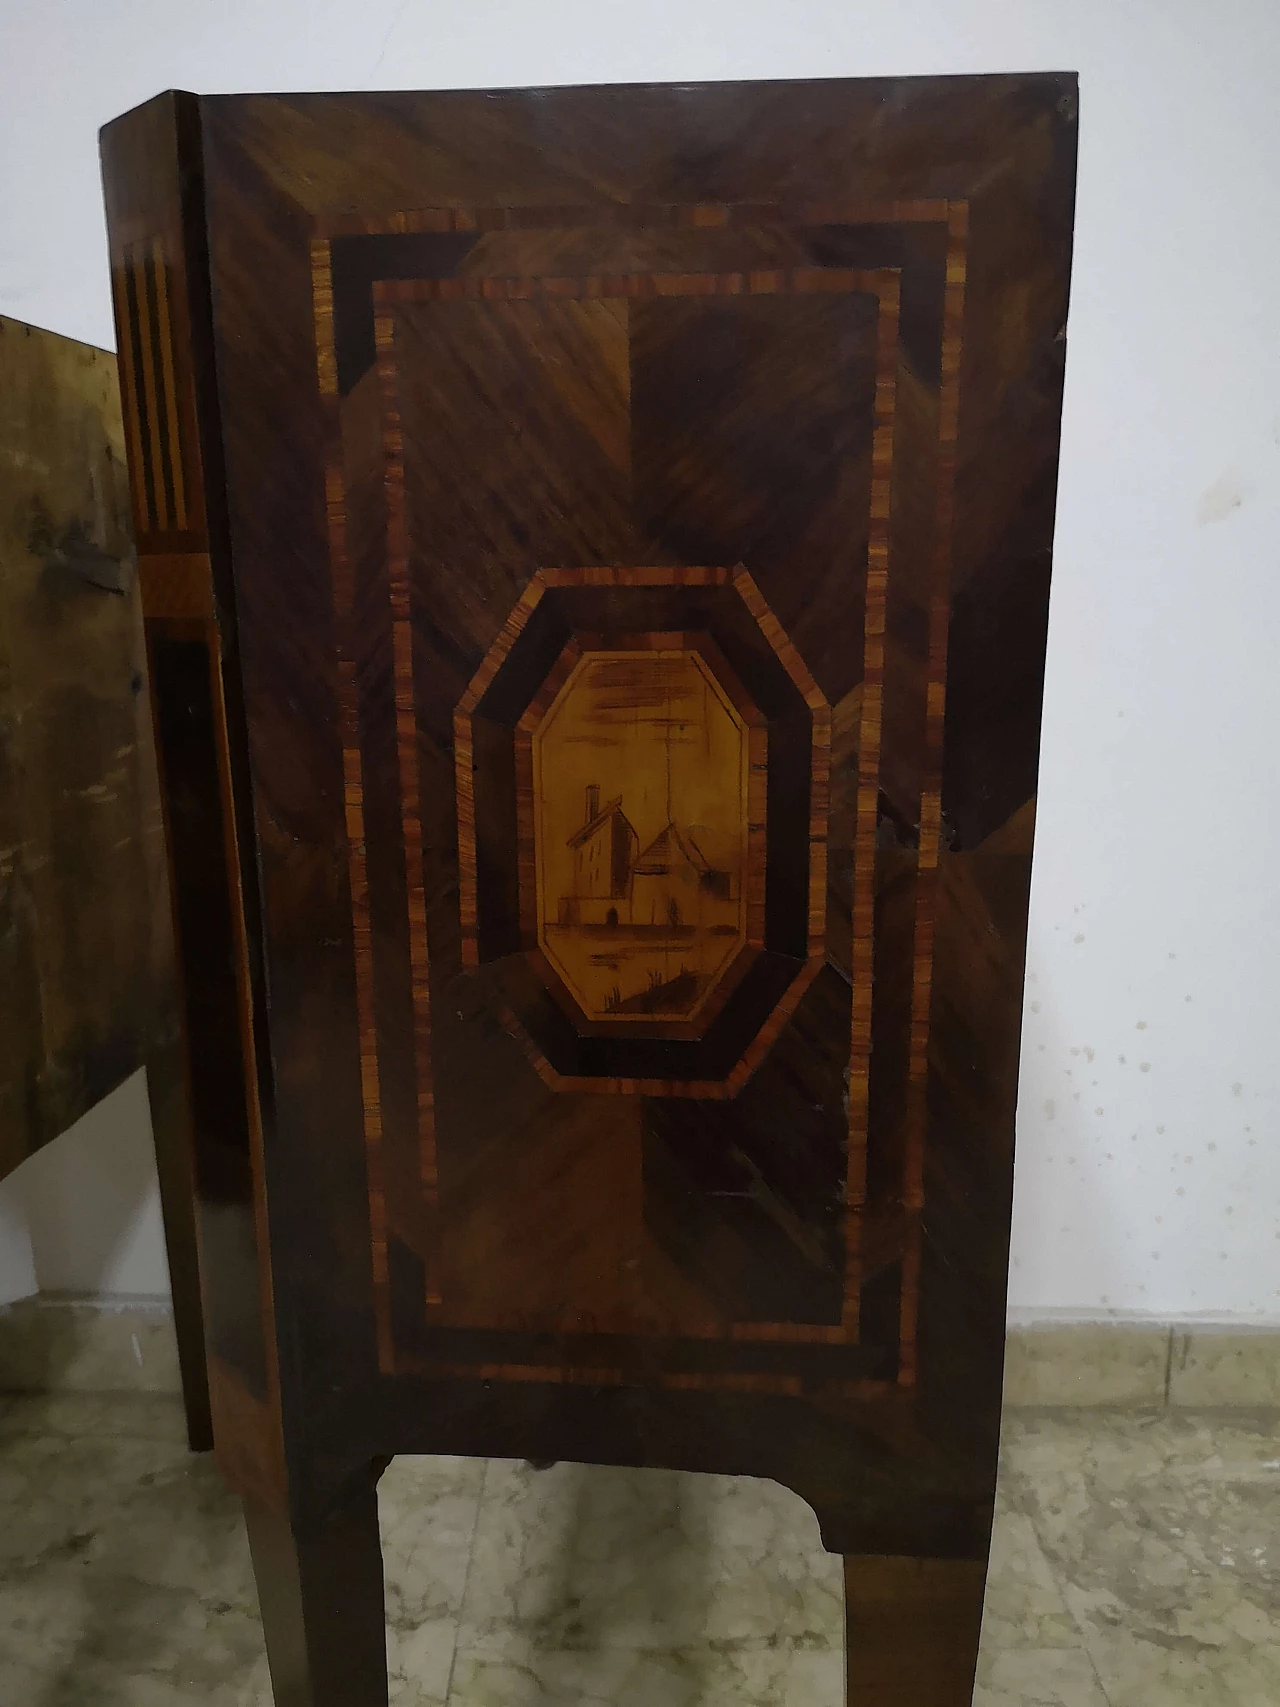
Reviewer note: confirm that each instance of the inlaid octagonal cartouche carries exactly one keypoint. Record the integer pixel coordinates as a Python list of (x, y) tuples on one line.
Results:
[(640, 773), (615, 767)]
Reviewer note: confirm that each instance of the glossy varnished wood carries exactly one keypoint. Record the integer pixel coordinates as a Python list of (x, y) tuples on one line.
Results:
[(160, 281), (323, 1607), (912, 1629), (534, 413)]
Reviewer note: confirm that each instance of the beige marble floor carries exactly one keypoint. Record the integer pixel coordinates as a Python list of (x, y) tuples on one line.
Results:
[(1136, 1564)]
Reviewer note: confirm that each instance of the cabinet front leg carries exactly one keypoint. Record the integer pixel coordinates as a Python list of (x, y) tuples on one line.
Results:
[(322, 1603), (911, 1630)]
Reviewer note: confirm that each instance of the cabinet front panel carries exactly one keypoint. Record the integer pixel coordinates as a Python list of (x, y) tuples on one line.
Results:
[(641, 504)]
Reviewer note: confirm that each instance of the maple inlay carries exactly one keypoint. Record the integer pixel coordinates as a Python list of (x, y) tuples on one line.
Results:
[(640, 809)]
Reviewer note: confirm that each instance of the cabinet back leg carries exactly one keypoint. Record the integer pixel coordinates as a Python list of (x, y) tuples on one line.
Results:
[(911, 1630), (171, 1130), (323, 1609)]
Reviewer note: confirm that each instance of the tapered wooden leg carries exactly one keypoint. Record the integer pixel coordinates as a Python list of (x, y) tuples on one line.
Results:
[(911, 1630), (170, 1129), (322, 1604)]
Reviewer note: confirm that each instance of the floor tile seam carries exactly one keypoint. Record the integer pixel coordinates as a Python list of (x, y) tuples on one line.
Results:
[(1147, 1416), (1019, 1485), (1090, 1644), (1168, 1366), (1087, 1631), (466, 1578), (473, 1639), (1155, 1408), (1087, 1647), (1023, 1500), (1084, 1632)]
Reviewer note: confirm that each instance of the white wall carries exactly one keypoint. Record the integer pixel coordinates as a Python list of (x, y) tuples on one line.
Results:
[(83, 1213), (1149, 1167), (17, 1260)]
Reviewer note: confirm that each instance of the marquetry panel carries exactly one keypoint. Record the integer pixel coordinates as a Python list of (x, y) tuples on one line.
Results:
[(708, 765), (592, 501), (639, 899), (628, 524)]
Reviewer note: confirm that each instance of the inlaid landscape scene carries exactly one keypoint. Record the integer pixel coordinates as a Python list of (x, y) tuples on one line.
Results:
[(640, 790)]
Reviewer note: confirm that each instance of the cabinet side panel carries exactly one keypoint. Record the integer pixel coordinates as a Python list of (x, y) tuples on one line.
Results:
[(154, 192)]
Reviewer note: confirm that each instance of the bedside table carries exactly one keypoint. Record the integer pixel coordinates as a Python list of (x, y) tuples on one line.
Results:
[(595, 550)]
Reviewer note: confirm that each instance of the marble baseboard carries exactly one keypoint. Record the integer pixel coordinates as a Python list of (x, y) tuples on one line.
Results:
[(52, 1344), (1244, 1364), (1142, 1366), (1119, 1365), (84, 1345)]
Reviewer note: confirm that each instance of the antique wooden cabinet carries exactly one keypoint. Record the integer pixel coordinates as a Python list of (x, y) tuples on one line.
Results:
[(595, 548)]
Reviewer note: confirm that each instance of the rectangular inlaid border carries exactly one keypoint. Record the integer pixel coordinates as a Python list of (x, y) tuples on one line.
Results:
[(955, 215), (931, 796), (410, 807), (342, 578), (885, 285), (637, 287), (862, 952), (627, 216)]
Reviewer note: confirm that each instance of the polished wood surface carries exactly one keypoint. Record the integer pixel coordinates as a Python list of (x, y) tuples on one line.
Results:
[(160, 284), (323, 1606), (629, 519), (640, 897), (912, 1629), (87, 975)]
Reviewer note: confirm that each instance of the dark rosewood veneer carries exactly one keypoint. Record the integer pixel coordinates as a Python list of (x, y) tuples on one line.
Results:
[(597, 641)]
